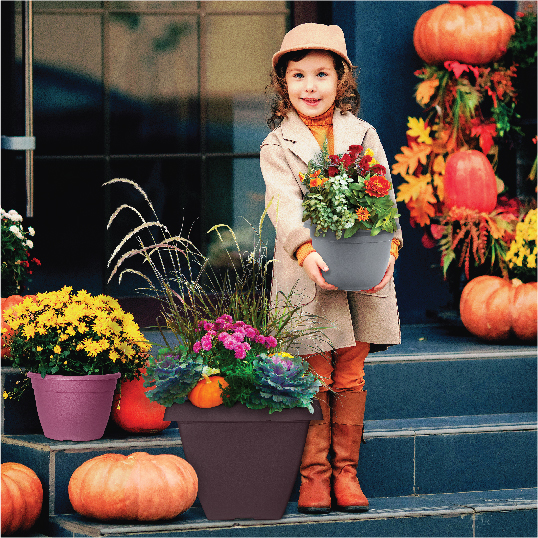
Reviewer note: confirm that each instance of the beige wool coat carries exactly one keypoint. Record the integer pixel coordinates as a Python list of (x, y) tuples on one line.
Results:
[(350, 316)]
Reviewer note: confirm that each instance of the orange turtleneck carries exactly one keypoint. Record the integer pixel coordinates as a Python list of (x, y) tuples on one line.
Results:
[(321, 127)]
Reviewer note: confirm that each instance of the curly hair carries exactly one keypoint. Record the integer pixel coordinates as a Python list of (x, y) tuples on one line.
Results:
[(347, 96)]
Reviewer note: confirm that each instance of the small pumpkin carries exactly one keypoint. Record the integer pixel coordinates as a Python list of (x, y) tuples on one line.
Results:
[(208, 392), (470, 34), (134, 412), (138, 487), (22, 497), (8, 302), (470, 182), (494, 308)]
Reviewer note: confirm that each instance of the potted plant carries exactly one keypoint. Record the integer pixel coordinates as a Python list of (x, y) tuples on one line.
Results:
[(229, 356), (74, 347), (352, 216), (16, 257)]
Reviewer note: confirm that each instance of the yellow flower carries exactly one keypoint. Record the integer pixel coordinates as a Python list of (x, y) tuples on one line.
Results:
[(57, 349), (113, 355), (39, 348)]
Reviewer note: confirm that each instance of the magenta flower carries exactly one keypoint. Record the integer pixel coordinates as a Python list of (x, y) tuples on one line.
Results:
[(270, 341), (207, 344), (197, 347)]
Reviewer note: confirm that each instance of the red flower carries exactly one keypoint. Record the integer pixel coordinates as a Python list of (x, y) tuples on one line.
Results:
[(346, 160), (378, 170), (377, 186), (333, 170), (364, 163), (354, 151)]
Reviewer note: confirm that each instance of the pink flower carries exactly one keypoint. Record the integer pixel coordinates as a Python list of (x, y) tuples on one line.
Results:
[(270, 342), (197, 347), (260, 339), (229, 343), (207, 344), (251, 332), (208, 326)]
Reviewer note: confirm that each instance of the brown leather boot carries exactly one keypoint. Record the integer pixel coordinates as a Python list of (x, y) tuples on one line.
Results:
[(346, 429), (315, 492)]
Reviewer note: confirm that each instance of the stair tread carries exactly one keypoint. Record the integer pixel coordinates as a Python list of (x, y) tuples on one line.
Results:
[(454, 424), (372, 428), (445, 504)]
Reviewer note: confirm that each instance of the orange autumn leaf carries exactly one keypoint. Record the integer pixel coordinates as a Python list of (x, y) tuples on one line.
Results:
[(425, 90), (422, 209), (413, 187), (409, 158)]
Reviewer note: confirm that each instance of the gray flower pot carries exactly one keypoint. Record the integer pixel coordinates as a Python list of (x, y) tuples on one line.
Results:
[(356, 263), (246, 460)]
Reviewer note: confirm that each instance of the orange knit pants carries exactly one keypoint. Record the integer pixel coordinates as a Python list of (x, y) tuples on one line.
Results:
[(342, 369)]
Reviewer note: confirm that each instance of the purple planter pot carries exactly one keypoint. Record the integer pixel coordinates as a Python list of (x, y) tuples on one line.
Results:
[(246, 459), (356, 263), (74, 408)]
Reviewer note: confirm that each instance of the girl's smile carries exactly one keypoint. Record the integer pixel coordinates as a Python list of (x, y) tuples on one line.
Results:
[(312, 83)]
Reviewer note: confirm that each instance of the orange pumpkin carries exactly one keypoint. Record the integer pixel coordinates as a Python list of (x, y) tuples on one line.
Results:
[(493, 308), (470, 34), (139, 487), (208, 392), (133, 411), (22, 497), (470, 182), (6, 303)]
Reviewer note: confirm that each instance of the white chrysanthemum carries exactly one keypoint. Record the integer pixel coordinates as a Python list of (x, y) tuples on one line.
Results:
[(29, 243), (31, 231), (14, 216), (16, 231)]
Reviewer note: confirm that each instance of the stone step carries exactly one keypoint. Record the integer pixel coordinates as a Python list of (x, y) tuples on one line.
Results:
[(400, 457), (479, 513)]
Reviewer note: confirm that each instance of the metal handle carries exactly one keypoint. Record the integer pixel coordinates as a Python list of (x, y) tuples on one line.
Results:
[(29, 103)]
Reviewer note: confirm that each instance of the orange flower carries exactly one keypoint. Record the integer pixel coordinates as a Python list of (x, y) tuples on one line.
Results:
[(362, 213), (317, 181), (378, 186)]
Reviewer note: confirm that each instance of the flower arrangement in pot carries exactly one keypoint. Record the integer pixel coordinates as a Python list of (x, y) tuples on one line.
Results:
[(72, 344), (17, 262), (238, 397), (349, 201)]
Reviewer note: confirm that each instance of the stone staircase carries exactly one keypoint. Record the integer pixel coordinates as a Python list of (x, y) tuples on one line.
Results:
[(450, 450)]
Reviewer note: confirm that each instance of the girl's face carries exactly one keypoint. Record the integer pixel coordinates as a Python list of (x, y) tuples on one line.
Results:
[(312, 83)]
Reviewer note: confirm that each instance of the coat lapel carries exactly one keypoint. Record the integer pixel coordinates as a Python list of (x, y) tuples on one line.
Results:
[(300, 141)]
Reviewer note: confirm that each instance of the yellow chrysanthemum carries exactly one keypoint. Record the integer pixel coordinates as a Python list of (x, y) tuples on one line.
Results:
[(57, 349)]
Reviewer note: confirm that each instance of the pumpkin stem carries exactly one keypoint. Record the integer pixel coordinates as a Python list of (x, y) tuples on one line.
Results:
[(516, 282)]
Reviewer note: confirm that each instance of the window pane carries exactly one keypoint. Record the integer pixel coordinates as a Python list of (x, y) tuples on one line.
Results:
[(68, 92), (244, 63), (49, 6), (260, 6), (154, 84), (70, 226), (237, 76), (137, 5)]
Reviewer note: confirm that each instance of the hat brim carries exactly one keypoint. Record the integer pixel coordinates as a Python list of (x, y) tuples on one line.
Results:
[(280, 53)]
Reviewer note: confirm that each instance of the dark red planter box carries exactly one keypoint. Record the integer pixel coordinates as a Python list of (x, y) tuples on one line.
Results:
[(246, 460)]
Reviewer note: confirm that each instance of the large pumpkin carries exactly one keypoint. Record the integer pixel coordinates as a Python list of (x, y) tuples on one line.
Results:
[(8, 302), (22, 497), (208, 392), (470, 34), (133, 411), (470, 182), (494, 308), (139, 487)]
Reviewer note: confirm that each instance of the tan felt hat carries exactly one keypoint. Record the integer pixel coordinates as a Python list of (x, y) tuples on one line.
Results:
[(314, 36)]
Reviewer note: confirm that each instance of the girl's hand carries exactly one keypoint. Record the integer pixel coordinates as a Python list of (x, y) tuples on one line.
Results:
[(388, 275), (313, 265)]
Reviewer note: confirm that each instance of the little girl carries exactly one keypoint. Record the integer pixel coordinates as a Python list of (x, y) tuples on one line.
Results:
[(316, 101)]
